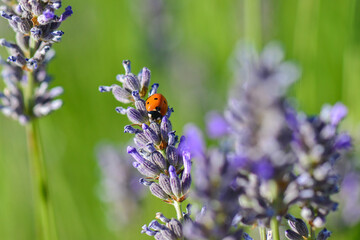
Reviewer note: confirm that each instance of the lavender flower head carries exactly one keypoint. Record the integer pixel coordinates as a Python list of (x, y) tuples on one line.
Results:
[(119, 185), (270, 157), (27, 94), (213, 189), (165, 166)]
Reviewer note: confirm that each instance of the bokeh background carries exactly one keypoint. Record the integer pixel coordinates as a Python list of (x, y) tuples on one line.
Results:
[(189, 47)]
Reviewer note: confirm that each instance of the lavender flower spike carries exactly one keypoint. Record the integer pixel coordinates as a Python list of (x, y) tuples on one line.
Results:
[(24, 74), (27, 95), (156, 153)]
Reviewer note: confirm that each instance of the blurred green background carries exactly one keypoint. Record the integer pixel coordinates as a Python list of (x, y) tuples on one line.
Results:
[(188, 46)]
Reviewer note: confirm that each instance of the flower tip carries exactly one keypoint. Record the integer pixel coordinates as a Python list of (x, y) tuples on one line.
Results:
[(144, 126), (186, 155), (172, 170), (104, 89), (130, 149)]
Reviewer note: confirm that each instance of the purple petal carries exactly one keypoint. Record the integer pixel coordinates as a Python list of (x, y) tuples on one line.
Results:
[(217, 126), (343, 141), (68, 12), (264, 169), (194, 141), (338, 112)]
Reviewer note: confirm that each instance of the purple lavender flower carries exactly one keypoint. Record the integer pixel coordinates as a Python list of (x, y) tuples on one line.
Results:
[(119, 185), (165, 167), (319, 146), (270, 158), (217, 126), (350, 197), (27, 94)]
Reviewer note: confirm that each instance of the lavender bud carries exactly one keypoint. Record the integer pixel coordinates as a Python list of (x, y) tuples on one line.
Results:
[(165, 128), (148, 166), (145, 78), (323, 234), (120, 78), (155, 126), (319, 222), (148, 231), (338, 113), (22, 40), (130, 129), (164, 182), (186, 177), (161, 217), (131, 83), (172, 138), (141, 140), (158, 159), (151, 134), (176, 227), (157, 191), (307, 214), (297, 225), (135, 116), (154, 88), (5, 15), (172, 156), (289, 234), (127, 66), (121, 110), (121, 94), (168, 234), (36, 33), (175, 182), (24, 26), (46, 17), (67, 13)]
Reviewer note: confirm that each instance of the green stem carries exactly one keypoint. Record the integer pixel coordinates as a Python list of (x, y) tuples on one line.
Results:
[(275, 228), (262, 231), (312, 234), (178, 209), (252, 22), (45, 223)]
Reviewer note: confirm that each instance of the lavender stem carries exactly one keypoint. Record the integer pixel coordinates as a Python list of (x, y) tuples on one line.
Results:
[(275, 228), (45, 224), (312, 233), (178, 209), (262, 231)]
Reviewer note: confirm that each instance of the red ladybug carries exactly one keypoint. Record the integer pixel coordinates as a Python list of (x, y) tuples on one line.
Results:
[(156, 106)]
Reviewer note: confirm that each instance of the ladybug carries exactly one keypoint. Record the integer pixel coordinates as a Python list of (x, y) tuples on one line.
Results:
[(156, 106)]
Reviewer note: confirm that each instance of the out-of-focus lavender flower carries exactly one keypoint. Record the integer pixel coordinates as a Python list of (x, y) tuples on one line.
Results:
[(260, 135), (350, 198), (213, 188), (166, 168), (318, 147), (217, 126), (272, 156), (27, 94), (120, 187)]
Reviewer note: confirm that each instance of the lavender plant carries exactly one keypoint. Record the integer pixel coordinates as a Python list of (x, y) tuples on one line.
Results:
[(158, 153), (27, 96), (275, 157), (119, 186), (270, 158)]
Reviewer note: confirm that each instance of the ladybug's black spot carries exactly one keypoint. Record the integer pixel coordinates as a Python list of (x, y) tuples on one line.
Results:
[(165, 102), (156, 98), (148, 102)]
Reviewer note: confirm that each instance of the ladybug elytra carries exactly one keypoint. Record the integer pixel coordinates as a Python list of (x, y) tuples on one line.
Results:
[(156, 106)]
